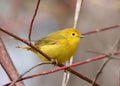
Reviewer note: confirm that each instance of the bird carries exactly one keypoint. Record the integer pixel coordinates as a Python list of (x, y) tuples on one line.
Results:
[(59, 45)]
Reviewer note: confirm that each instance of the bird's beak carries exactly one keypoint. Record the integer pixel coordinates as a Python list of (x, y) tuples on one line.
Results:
[(82, 36)]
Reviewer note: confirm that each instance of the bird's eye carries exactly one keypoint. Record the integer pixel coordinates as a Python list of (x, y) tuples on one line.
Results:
[(73, 34)]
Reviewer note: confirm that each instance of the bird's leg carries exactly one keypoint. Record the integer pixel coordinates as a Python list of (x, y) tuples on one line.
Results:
[(54, 61)]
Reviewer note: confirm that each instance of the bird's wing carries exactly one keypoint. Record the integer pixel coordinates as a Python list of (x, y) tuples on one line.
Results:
[(49, 40)]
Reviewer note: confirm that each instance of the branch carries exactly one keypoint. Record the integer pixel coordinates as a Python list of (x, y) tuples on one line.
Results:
[(100, 71), (102, 29), (31, 24), (7, 64), (77, 12), (113, 49), (72, 71), (67, 67), (12, 84), (66, 75), (47, 57), (24, 41)]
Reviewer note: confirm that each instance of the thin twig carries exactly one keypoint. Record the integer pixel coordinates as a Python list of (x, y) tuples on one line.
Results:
[(31, 23), (100, 71), (24, 41), (66, 75), (101, 30), (113, 49), (77, 12), (46, 56), (69, 66), (72, 71), (13, 83)]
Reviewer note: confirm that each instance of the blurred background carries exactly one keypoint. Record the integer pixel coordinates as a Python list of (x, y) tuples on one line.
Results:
[(15, 16)]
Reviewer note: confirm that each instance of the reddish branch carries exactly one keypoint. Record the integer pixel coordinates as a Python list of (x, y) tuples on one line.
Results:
[(66, 67), (24, 41), (31, 23), (4, 61), (72, 71), (101, 30), (47, 57)]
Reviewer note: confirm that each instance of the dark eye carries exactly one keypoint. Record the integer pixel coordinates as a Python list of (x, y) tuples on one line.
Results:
[(73, 34)]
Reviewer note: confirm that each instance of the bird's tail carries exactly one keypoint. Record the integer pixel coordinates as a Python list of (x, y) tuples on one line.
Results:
[(24, 47)]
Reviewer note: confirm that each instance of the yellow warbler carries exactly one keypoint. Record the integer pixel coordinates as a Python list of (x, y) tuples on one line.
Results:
[(59, 45)]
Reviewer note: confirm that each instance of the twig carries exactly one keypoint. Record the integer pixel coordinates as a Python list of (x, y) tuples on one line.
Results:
[(47, 57), (112, 50), (29, 44), (12, 84), (5, 61), (69, 66), (66, 75), (100, 71), (102, 29), (64, 67), (77, 12), (72, 71), (31, 23), (24, 41)]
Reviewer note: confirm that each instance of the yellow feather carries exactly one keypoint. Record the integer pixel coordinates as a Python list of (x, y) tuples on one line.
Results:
[(59, 45)]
